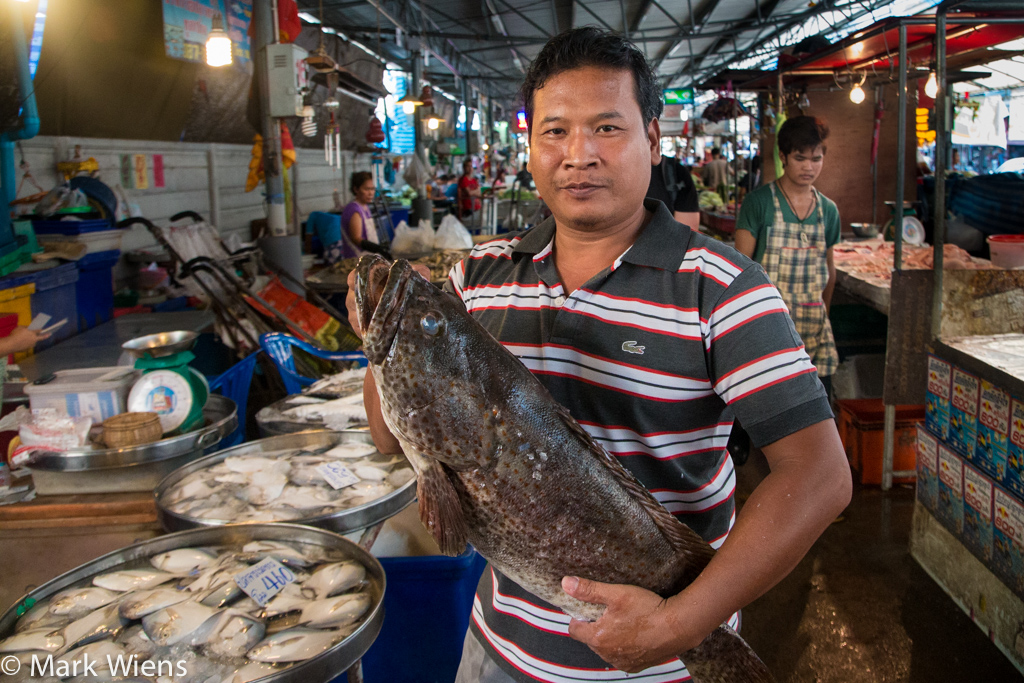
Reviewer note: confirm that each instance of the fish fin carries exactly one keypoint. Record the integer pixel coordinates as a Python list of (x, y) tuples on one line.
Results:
[(680, 536), (440, 510), (725, 657)]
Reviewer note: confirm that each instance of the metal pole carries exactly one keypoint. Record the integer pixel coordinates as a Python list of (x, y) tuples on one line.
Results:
[(941, 149), (469, 114), (417, 87), (889, 435), (211, 177)]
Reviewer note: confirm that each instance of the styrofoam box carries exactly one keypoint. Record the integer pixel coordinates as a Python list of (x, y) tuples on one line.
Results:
[(105, 240), (98, 393)]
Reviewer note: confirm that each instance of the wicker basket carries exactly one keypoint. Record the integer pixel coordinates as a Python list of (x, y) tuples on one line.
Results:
[(131, 429)]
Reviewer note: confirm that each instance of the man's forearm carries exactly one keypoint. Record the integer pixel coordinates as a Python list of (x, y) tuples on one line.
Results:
[(382, 437), (779, 523)]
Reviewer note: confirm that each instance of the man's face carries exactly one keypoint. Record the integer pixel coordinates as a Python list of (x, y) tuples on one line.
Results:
[(590, 153), (803, 166)]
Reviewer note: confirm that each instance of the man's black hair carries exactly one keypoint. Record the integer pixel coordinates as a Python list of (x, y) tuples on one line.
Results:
[(802, 134), (591, 46), (716, 151)]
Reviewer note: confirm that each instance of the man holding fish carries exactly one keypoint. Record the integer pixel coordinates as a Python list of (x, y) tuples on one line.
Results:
[(653, 338)]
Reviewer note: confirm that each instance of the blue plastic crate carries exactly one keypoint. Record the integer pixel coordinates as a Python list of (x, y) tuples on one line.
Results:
[(55, 296), (51, 227), (95, 289), (431, 597)]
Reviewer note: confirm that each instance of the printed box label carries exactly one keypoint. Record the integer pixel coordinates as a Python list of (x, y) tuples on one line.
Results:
[(965, 392), (939, 373)]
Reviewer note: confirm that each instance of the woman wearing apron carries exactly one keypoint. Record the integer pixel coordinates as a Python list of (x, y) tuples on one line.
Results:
[(790, 228)]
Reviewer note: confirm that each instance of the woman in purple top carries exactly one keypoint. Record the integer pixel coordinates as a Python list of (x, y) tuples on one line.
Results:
[(356, 222)]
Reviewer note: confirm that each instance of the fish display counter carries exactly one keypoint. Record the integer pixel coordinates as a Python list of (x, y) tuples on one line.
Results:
[(332, 480), (241, 603), (334, 402)]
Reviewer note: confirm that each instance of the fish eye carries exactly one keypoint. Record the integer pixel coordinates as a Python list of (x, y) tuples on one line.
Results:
[(430, 324)]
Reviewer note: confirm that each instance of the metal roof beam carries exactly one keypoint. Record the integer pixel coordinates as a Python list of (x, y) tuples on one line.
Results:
[(500, 25), (525, 18), (579, 3), (641, 14)]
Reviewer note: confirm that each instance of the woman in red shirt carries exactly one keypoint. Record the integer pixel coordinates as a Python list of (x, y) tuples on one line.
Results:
[(469, 190)]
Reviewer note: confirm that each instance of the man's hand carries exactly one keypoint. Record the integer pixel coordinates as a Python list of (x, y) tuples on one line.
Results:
[(20, 339), (350, 298), (635, 631)]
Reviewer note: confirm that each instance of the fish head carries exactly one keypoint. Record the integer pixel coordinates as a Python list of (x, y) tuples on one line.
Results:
[(413, 329)]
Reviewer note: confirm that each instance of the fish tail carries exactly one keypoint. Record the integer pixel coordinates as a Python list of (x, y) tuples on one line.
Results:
[(724, 657)]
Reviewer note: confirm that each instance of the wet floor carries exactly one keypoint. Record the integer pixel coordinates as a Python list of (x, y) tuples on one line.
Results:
[(859, 609)]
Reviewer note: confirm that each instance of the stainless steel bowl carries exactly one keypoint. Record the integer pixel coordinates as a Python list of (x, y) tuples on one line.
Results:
[(865, 229), (342, 521), (319, 669), (272, 421), (221, 418), (160, 345)]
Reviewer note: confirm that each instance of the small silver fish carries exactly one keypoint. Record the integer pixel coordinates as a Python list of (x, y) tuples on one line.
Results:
[(230, 633), (294, 645), (183, 561), (40, 617), (41, 639), (176, 623), (250, 672), (334, 578), (132, 579), (136, 642), (100, 654), (139, 604), (337, 612), (282, 552), (77, 602), (289, 599), (102, 624)]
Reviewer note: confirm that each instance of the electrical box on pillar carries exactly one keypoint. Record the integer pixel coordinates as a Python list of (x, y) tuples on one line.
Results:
[(286, 72)]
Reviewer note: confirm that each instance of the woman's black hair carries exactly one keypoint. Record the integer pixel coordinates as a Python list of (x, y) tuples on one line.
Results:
[(591, 46), (802, 134), (357, 180)]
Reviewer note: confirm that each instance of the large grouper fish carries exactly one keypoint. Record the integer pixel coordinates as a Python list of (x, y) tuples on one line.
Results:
[(502, 466)]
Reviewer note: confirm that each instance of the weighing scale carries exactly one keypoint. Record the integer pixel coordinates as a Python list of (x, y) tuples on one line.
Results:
[(913, 229), (169, 386)]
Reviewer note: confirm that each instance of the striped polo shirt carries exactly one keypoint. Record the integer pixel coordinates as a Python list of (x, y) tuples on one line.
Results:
[(654, 357)]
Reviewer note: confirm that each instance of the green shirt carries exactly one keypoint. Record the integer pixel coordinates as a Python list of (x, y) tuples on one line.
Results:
[(758, 213)]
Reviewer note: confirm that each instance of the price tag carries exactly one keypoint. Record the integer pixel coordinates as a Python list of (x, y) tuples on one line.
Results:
[(264, 580), (337, 475)]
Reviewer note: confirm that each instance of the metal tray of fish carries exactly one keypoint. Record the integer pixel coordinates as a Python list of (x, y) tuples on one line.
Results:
[(340, 414), (172, 498), (324, 619), (221, 417)]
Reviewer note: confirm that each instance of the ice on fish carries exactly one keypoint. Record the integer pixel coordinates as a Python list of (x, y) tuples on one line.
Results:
[(100, 655), (139, 604), (334, 578), (251, 672), (335, 612), (351, 451), (294, 645), (77, 602), (136, 642), (132, 579), (176, 623), (183, 560), (41, 639), (250, 463)]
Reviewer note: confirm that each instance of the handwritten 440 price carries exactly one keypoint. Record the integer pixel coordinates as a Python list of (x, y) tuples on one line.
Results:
[(264, 580)]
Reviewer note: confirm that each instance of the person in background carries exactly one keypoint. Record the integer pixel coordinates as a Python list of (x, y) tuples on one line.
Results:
[(672, 184), (524, 178), (357, 227), (469, 191), (715, 173), (790, 228)]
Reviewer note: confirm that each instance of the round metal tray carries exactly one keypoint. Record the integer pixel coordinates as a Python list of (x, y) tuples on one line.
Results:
[(342, 521), (277, 427), (320, 669), (221, 417)]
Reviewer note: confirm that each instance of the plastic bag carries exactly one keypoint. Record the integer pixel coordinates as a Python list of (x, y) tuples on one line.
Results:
[(417, 174), (416, 240), (50, 431), (452, 235)]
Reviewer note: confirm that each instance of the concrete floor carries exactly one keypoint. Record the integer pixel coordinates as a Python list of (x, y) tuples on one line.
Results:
[(859, 609)]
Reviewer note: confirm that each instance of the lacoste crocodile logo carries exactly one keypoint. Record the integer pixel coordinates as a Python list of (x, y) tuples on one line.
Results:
[(631, 347)]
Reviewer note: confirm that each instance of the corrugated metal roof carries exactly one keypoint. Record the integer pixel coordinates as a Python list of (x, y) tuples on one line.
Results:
[(487, 42)]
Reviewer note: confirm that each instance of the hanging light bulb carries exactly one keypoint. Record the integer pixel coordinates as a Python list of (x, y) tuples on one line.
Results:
[(218, 44), (408, 107), (857, 94), (433, 123), (931, 88)]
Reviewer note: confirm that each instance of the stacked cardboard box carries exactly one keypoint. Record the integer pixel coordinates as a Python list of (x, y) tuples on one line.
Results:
[(970, 466)]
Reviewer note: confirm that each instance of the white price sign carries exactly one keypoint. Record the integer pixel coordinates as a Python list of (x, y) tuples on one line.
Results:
[(337, 475), (264, 580)]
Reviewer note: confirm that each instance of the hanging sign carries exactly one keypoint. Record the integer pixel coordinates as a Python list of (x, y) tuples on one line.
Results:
[(141, 179), (187, 24), (679, 96)]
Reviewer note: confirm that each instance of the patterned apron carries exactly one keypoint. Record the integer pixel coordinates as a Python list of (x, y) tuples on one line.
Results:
[(795, 260)]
